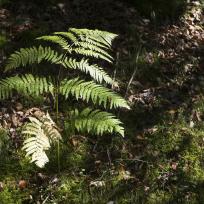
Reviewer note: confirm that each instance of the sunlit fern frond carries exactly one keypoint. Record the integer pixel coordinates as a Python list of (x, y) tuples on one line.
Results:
[(78, 45), (81, 35), (92, 53), (93, 43), (27, 85), (40, 133), (28, 56), (34, 55), (62, 42), (91, 91), (104, 38), (96, 72), (96, 122), (91, 47), (37, 142), (69, 36)]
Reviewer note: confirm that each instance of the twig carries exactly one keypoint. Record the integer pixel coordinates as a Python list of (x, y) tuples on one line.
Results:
[(135, 159), (135, 70), (109, 158), (115, 71), (45, 199)]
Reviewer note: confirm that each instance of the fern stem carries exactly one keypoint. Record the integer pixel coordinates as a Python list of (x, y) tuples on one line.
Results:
[(57, 104), (58, 155), (57, 121), (115, 71), (135, 70)]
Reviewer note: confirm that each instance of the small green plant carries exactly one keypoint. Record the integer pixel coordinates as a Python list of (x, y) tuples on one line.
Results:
[(81, 48)]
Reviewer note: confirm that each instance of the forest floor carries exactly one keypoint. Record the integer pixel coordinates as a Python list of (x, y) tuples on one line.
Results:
[(160, 160)]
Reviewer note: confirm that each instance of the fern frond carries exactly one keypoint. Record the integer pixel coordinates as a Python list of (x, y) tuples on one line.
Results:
[(57, 40), (96, 122), (69, 36), (50, 128), (28, 56), (27, 85), (41, 134), (74, 40), (92, 43), (102, 37), (81, 48), (96, 72), (33, 55), (95, 48), (91, 53), (91, 91), (36, 145)]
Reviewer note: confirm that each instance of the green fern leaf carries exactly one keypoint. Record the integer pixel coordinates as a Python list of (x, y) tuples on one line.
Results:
[(74, 40), (69, 36), (95, 48), (82, 48), (96, 72), (27, 85), (90, 53), (56, 39), (96, 122), (102, 37), (28, 56), (33, 55), (90, 91)]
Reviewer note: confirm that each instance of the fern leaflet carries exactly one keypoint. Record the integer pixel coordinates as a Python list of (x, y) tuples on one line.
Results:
[(96, 72), (89, 90), (28, 56), (41, 134), (96, 121), (27, 85)]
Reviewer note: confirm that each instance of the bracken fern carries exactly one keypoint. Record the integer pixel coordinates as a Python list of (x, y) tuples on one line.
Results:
[(77, 49)]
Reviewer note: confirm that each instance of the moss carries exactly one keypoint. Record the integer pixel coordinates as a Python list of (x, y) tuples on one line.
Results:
[(177, 151), (12, 194), (159, 197), (71, 190)]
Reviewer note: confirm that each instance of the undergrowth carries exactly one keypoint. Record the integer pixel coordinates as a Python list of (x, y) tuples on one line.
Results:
[(160, 159)]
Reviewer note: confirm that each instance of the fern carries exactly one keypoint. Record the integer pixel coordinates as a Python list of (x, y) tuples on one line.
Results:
[(95, 122), (42, 133), (102, 37), (97, 38), (96, 72), (29, 56), (30, 85), (78, 48), (82, 48), (69, 36), (27, 85), (57, 40), (90, 53), (89, 90)]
